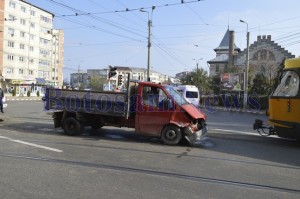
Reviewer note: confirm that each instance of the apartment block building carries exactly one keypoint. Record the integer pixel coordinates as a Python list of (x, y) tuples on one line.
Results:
[(31, 51)]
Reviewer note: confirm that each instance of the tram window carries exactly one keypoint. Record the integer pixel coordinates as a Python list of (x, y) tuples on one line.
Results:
[(288, 80), (289, 85)]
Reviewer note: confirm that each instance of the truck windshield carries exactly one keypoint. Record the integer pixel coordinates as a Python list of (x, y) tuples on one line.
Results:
[(288, 86), (176, 95)]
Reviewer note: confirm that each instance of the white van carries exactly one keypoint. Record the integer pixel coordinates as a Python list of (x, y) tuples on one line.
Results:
[(190, 93)]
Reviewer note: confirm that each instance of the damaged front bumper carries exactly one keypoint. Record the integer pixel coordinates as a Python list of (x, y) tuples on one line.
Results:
[(193, 137)]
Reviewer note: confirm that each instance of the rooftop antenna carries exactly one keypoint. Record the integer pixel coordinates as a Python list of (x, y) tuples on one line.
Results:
[(228, 22)]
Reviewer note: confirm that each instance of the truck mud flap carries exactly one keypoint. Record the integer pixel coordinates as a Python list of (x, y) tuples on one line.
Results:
[(57, 118)]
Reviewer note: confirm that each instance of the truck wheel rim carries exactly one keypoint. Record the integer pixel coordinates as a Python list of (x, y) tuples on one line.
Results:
[(171, 135)]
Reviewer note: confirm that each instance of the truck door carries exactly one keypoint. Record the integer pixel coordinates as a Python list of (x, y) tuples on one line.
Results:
[(152, 115)]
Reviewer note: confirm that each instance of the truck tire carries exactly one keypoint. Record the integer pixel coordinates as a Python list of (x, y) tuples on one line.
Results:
[(72, 127), (171, 135)]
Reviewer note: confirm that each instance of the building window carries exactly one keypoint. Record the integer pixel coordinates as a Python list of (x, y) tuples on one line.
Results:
[(23, 9), (32, 37), (32, 25), (31, 61), (22, 46), (217, 68), (11, 18), (22, 34), (12, 4), (44, 41), (22, 21), (9, 70), (21, 59), (31, 48), (45, 19), (10, 57), (11, 31), (30, 72), (32, 12), (21, 71), (44, 52), (11, 44)]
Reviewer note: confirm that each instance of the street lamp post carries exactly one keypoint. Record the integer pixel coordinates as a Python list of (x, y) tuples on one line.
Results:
[(197, 63), (197, 68), (247, 69), (149, 40)]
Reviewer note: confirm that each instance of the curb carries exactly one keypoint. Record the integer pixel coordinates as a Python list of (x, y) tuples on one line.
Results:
[(23, 99), (217, 108)]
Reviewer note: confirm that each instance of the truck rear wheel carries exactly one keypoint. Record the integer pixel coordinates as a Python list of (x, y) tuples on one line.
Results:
[(72, 127), (171, 135)]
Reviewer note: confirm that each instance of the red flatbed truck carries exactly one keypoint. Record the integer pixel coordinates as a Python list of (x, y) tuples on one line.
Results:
[(151, 109)]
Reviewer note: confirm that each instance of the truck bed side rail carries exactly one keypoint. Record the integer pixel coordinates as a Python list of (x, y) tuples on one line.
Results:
[(102, 103)]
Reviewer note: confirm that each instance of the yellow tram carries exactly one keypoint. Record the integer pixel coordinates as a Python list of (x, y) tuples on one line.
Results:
[(284, 104)]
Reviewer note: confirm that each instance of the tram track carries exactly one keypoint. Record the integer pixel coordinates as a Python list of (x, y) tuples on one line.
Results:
[(157, 173), (185, 152)]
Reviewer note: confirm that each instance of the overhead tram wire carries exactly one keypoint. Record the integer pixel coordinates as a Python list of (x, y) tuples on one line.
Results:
[(126, 10), (196, 13), (118, 14), (133, 13), (114, 24), (102, 30)]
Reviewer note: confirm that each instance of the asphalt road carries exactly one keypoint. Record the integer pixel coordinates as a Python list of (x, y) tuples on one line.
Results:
[(38, 161)]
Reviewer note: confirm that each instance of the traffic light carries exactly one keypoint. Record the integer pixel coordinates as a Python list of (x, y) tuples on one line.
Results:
[(120, 80), (112, 71)]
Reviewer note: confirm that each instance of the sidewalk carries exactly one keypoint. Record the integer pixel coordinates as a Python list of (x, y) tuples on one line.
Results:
[(9, 97), (232, 109)]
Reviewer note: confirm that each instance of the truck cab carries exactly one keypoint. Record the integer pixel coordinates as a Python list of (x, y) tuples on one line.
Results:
[(164, 112)]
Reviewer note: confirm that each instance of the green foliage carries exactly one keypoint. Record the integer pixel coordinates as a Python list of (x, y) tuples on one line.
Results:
[(198, 78), (13, 92), (28, 93), (214, 83), (97, 83), (261, 85), (38, 93)]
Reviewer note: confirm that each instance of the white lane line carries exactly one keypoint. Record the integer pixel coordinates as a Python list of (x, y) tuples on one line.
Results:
[(233, 131), (241, 132), (31, 144)]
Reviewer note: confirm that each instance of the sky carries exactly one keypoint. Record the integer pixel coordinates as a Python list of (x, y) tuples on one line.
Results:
[(98, 33)]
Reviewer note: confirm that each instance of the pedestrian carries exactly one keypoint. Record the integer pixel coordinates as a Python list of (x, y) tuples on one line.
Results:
[(1, 98)]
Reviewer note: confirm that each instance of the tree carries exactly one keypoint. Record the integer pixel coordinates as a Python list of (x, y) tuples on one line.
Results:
[(214, 83), (260, 85), (97, 83), (199, 78)]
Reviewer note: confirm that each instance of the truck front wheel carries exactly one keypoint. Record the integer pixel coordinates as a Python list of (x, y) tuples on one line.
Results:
[(171, 135), (72, 127)]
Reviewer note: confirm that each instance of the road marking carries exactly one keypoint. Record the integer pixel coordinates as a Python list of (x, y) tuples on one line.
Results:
[(228, 124), (32, 144), (241, 132), (233, 131)]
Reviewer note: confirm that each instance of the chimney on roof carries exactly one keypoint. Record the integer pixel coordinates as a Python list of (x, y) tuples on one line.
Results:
[(231, 48), (269, 37), (258, 38)]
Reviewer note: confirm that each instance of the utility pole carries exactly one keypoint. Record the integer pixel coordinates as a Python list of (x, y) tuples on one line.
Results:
[(149, 47), (78, 76), (149, 40), (247, 69)]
